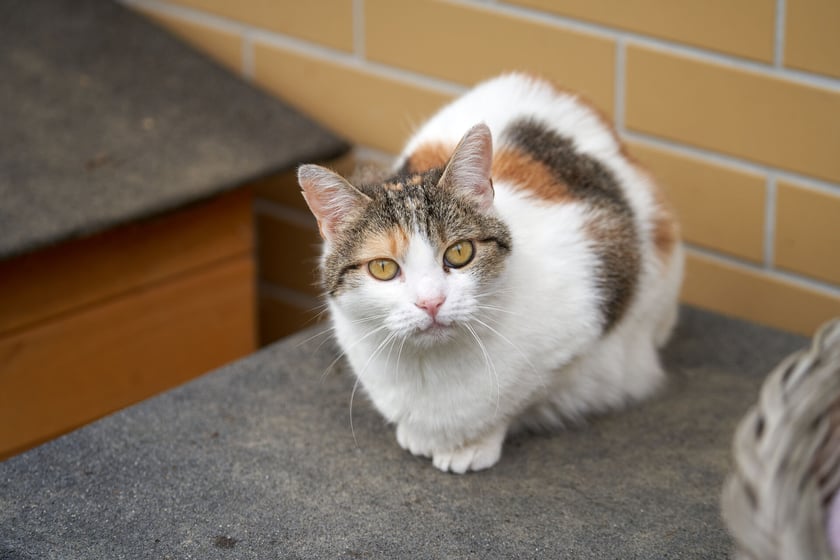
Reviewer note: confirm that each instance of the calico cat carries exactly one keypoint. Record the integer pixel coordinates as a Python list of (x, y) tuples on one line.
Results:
[(518, 269)]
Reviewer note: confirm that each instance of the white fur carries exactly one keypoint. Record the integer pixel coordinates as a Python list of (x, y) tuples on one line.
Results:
[(535, 355)]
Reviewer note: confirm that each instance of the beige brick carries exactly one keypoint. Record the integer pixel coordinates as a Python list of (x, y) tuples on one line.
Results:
[(220, 45), (466, 44), (362, 106), (746, 114), (743, 28), (755, 296), (329, 22), (808, 232), (812, 36), (288, 254), (718, 207)]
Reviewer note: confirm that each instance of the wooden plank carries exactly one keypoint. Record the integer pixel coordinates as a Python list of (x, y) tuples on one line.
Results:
[(279, 318), (70, 276), (67, 372), (288, 254)]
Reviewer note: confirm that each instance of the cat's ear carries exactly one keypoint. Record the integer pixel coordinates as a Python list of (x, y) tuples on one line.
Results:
[(468, 170), (331, 198)]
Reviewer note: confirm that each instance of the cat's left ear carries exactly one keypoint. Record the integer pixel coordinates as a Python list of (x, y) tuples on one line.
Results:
[(468, 170)]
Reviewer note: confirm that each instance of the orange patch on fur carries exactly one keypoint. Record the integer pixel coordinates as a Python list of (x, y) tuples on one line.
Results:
[(392, 244), (429, 156), (666, 231), (527, 174), (666, 228)]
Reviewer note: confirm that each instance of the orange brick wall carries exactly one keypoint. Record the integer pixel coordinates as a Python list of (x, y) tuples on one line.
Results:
[(735, 106)]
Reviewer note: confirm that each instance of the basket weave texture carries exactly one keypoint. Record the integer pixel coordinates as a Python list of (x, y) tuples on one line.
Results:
[(787, 458)]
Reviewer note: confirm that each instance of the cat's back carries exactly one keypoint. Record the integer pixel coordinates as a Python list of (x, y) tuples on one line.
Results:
[(503, 103), (550, 146)]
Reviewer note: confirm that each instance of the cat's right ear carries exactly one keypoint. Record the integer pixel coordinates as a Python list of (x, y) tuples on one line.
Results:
[(331, 198), (468, 170)]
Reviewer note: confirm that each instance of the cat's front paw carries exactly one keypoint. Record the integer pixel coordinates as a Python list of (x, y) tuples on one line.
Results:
[(413, 441), (476, 456)]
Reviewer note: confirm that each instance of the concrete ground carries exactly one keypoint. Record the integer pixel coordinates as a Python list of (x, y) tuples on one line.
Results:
[(257, 460)]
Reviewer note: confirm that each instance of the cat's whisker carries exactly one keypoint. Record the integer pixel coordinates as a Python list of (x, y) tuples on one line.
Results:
[(481, 301), (519, 350), (489, 315), (325, 340), (498, 309), (326, 330), (491, 368), (316, 318), (496, 321), (349, 348), (332, 329), (352, 428), (506, 339), (321, 310), (377, 351), (399, 356), (369, 318), (329, 329), (495, 292), (390, 350)]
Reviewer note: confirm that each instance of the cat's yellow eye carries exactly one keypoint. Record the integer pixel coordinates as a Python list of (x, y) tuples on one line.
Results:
[(383, 269), (459, 254)]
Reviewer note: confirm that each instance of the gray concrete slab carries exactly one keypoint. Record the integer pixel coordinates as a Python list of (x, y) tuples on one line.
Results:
[(258, 460), (105, 119)]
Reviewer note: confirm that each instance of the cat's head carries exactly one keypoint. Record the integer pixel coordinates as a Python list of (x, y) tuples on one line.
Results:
[(417, 255)]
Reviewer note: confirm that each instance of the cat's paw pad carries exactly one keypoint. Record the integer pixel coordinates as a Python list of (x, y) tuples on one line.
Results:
[(413, 442), (476, 457)]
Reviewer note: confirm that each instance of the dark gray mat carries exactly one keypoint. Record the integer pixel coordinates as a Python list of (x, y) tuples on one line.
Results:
[(258, 460), (104, 118)]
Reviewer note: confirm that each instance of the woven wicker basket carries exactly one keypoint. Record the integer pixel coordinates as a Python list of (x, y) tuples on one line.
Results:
[(787, 458)]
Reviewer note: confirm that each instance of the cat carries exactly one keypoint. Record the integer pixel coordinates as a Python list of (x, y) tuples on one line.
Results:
[(517, 270)]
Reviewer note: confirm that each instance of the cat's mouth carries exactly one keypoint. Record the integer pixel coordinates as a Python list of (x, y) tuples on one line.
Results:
[(434, 331), (436, 326)]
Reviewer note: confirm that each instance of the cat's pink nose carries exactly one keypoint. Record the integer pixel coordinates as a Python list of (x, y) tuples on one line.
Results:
[(431, 305)]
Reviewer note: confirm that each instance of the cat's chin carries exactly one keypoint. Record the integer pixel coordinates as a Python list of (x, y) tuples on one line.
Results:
[(434, 334)]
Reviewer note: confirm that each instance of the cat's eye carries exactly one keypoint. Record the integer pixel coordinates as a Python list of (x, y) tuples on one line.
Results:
[(459, 254), (383, 269)]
